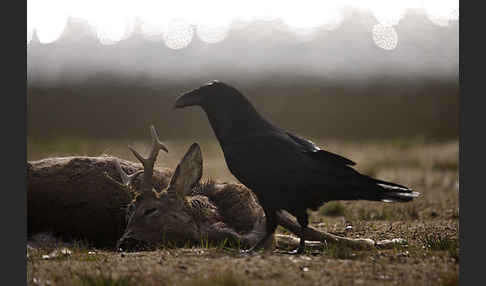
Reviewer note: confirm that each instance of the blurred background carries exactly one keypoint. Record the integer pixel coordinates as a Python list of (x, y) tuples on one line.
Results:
[(99, 72)]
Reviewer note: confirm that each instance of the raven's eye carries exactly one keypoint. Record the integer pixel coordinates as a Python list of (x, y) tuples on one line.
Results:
[(150, 211)]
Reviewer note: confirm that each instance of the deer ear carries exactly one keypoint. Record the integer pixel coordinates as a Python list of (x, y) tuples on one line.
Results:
[(187, 173)]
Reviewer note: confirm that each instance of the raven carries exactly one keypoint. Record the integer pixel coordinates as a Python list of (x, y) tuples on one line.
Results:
[(285, 171)]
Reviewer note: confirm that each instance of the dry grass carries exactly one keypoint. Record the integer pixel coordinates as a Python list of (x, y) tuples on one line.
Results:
[(429, 224)]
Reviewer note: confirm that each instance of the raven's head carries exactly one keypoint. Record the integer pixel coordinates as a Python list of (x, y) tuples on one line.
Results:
[(229, 112), (203, 95)]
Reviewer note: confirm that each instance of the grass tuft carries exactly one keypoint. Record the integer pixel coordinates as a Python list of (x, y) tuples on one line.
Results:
[(333, 209), (367, 214), (440, 242)]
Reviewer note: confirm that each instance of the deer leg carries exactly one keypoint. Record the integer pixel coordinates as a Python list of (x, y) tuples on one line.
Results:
[(303, 220), (220, 233), (309, 233), (271, 226)]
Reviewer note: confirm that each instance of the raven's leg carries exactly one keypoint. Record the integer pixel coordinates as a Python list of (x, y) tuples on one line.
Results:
[(271, 226), (303, 219)]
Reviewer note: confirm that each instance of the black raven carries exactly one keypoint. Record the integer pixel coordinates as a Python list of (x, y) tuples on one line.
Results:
[(285, 171)]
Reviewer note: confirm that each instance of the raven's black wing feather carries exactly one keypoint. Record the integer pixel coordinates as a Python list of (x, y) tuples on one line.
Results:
[(314, 151)]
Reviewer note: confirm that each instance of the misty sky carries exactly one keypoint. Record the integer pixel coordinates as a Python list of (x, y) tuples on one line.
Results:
[(357, 42)]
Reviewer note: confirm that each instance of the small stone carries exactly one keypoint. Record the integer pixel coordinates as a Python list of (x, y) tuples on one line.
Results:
[(384, 277), (403, 254)]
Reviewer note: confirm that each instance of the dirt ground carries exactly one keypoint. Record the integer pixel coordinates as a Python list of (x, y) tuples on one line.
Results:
[(429, 224)]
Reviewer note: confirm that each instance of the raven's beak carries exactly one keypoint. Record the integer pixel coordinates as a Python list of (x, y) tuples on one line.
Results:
[(188, 99)]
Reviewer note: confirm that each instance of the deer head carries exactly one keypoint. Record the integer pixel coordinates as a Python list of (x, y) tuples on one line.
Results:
[(157, 216)]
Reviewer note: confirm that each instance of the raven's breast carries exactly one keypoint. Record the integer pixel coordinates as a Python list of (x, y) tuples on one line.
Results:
[(261, 166)]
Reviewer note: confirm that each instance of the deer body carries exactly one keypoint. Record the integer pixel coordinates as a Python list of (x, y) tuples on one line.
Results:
[(71, 198)]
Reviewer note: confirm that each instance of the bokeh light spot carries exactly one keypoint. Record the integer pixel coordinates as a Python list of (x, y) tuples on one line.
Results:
[(385, 37), (179, 34), (50, 31), (440, 13), (115, 30), (212, 35)]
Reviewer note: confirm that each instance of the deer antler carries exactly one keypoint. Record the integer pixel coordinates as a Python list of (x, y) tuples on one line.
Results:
[(148, 163), (126, 179)]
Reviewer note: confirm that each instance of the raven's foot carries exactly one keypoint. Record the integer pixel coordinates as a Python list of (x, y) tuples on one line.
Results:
[(301, 249)]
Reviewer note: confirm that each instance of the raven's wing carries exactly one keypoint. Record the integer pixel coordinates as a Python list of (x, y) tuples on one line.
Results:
[(259, 157), (314, 151)]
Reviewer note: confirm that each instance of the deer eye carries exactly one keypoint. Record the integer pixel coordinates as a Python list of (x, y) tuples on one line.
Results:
[(150, 211)]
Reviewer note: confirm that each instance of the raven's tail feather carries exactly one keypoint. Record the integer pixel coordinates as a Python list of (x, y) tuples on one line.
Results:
[(391, 192)]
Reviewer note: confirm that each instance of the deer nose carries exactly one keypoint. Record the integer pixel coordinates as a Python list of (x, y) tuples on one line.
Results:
[(132, 244)]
